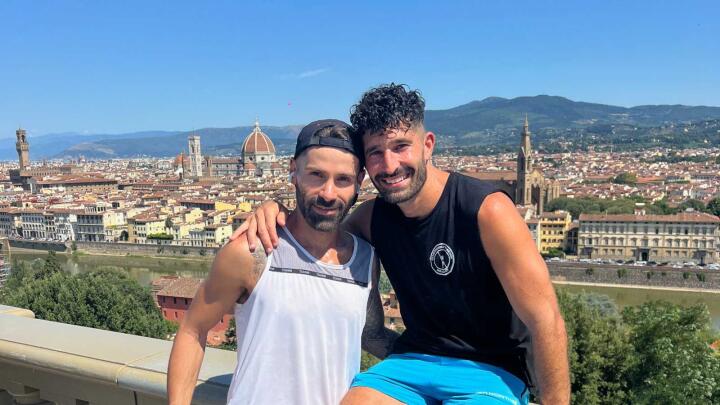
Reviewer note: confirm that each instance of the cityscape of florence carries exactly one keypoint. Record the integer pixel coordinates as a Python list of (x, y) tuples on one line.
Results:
[(136, 139)]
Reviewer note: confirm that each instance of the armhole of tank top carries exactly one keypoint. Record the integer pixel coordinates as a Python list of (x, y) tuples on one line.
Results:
[(259, 282)]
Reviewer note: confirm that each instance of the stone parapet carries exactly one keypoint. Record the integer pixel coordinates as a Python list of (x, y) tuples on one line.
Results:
[(49, 362)]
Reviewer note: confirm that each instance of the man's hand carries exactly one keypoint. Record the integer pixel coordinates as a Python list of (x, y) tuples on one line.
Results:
[(262, 223)]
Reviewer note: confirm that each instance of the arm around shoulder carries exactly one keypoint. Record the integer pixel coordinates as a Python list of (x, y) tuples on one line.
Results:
[(359, 220)]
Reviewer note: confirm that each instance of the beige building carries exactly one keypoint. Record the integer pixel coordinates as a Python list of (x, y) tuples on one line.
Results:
[(534, 228), (143, 226), (553, 230), (217, 235), (97, 222), (684, 237), (10, 222)]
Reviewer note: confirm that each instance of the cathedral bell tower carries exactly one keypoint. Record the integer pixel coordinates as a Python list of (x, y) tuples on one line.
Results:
[(523, 191), (23, 149)]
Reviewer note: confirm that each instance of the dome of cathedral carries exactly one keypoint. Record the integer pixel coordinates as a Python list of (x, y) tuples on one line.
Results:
[(257, 142)]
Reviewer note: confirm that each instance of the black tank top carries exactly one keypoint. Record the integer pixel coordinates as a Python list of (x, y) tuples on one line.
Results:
[(450, 299)]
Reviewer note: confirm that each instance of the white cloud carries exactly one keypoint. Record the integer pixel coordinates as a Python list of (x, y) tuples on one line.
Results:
[(305, 74)]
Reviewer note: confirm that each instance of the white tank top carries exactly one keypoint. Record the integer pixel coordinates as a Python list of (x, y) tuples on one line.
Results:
[(299, 332)]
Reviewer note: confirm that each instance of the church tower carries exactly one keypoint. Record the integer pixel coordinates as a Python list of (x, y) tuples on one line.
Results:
[(23, 149), (195, 156), (523, 191)]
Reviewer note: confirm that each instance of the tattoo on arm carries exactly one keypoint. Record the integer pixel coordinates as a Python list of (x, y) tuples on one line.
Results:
[(259, 261), (376, 338)]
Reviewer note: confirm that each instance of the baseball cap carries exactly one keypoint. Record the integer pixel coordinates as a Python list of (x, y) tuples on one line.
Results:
[(309, 137)]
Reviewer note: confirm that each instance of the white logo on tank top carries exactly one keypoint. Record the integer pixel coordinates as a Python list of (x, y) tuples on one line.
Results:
[(442, 259)]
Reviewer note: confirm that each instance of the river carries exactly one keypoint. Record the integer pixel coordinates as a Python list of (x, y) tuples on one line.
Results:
[(145, 269)]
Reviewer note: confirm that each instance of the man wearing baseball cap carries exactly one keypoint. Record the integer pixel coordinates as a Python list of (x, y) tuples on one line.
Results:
[(303, 308)]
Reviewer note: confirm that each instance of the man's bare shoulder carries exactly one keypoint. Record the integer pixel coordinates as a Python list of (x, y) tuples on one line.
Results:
[(496, 208), (235, 261)]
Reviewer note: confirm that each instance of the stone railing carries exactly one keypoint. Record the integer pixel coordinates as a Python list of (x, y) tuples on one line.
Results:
[(51, 363), (44, 362)]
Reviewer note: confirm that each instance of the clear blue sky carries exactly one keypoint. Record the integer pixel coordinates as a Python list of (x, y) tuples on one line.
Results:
[(110, 67)]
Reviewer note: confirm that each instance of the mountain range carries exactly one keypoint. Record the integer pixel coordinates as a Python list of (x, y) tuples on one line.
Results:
[(487, 122)]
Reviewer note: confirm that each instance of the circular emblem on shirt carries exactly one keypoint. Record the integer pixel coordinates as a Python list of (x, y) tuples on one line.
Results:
[(442, 259)]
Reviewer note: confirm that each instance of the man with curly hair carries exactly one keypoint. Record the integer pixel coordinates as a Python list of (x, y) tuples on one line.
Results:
[(474, 293)]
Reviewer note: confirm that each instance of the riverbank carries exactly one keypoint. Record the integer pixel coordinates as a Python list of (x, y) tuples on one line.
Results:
[(115, 248), (636, 287), (637, 276), (78, 253)]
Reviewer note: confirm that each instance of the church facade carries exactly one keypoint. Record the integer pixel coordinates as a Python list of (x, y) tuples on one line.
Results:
[(527, 185)]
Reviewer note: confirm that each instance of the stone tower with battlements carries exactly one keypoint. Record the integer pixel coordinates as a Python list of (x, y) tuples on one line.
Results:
[(23, 148), (523, 191)]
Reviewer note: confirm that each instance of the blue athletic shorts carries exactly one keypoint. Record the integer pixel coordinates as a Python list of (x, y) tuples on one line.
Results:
[(415, 378)]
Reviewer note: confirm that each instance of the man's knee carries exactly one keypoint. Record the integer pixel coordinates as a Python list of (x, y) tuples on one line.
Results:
[(364, 395)]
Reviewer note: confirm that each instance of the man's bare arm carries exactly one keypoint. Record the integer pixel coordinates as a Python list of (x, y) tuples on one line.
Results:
[(376, 338), (263, 221), (216, 296), (526, 281)]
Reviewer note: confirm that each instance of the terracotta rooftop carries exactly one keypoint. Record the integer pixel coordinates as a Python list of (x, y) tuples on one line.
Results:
[(184, 287), (493, 175), (258, 142)]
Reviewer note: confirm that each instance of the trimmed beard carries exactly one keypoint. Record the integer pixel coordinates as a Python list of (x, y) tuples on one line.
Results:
[(417, 181), (319, 222)]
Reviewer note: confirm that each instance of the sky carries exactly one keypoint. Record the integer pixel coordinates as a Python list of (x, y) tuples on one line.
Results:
[(118, 67)]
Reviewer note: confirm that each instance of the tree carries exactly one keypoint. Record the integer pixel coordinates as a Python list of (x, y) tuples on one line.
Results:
[(367, 360), (661, 208), (20, 273), (108, 300), (230, 337), (51, 265), (625, 178), (696, 205), (713, 206), (384, 283), (553, 252), (168, 222), (598, 348), (675, 364)]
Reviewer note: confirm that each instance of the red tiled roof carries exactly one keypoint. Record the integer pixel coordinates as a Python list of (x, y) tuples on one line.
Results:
[(696, 217), (184, 287), (258, 142)]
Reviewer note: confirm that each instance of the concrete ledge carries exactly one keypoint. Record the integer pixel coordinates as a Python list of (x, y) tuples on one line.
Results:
[(6, 310), (65, 364)]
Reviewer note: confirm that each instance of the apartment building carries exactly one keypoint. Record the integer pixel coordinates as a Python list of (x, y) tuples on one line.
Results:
[(684, 237)]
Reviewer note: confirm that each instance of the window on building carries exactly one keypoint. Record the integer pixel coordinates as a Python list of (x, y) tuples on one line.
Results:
[(174, 301)]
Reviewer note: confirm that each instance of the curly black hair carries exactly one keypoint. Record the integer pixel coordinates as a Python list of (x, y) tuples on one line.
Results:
[(385, 107)]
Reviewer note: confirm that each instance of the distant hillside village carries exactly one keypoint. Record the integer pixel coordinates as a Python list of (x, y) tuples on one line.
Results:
[(196, 201)]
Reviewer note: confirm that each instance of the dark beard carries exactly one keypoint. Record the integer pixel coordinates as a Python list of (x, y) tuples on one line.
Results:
[(417, 181), (319, 222)]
